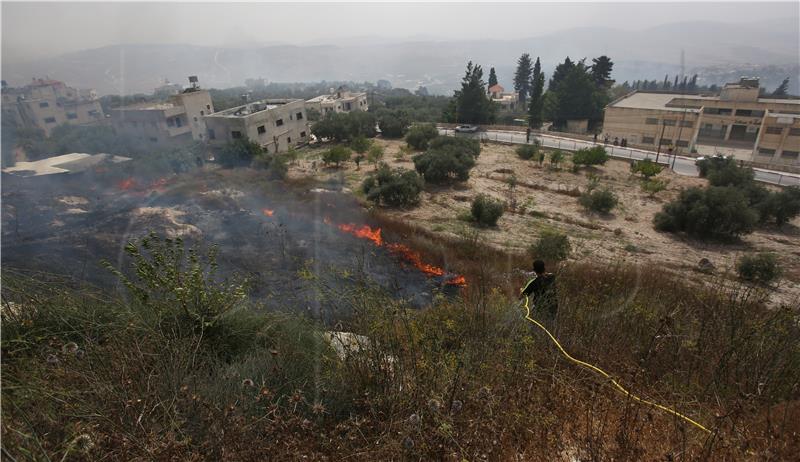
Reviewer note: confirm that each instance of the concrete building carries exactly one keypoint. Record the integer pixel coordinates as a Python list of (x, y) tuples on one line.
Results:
[(45, 104), (507, 101), (766, 130), (275, 124), (342, 100), (176, 121)]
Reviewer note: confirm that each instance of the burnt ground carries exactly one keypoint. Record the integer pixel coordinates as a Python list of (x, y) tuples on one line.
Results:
[(283, 237)]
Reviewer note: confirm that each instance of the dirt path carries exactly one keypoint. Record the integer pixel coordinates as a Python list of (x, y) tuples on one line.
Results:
[(546, 199)]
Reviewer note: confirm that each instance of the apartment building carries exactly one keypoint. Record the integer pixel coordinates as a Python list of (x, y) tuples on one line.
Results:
[(176, 121), (341, 100), (45, 104), (275, 124), (768, 128)]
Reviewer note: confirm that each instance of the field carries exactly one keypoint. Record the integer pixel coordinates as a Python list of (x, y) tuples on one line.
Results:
[(546, 198)]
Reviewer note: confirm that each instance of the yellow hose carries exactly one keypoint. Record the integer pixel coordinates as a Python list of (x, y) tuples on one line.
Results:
[(604, 374)]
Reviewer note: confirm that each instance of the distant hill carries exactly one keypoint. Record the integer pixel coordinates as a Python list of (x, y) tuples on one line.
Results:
[(727, 49)]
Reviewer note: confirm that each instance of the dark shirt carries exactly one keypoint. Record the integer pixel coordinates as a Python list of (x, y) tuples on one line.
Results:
[(543, 291)]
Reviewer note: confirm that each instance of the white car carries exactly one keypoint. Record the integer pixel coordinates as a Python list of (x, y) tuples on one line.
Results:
[(466, 128)]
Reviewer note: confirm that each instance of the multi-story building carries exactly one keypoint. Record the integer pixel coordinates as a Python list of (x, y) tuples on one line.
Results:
[(342, 100), (767, 128), (46, 104), (173, 122), (275, 124)]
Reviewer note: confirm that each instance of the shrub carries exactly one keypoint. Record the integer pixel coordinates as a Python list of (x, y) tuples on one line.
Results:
[(485, 210), (647, 168), (590, 156), (556, 157), (392, 126), (528, 151), (762, 268), (360, 144), (394, 188), (552, 245), (712, 212), (375, 154), (345, 126), (419, 136), (447, 159), (708, 164), (336, 155), (654, 186), (598, 200), (730, 174), (781, 206), (238, 153)]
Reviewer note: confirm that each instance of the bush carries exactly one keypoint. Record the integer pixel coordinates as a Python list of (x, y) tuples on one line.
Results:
[(599, 200), (647, 168), (552, 245), (238, 153), (375, 154), (486, 211), (360, 144), (590, 156), (762, 268), (709, 164), (730, 174), (345, 126), (419, 136), (780, 206), (713, 212), (528, 151), (556, 157), (336, 155), (394, 188), (392, 126), (654, 186), (447, 159)]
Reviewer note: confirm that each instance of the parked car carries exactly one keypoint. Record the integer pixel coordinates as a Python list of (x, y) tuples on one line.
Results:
[(466, 128)]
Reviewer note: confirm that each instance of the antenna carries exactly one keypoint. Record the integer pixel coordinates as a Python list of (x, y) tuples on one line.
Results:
[(683, 64)]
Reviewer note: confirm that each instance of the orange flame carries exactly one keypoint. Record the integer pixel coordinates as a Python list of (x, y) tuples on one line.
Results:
[(364, 232), (415, 259), (126, 184), (457, 281), (267, 212)]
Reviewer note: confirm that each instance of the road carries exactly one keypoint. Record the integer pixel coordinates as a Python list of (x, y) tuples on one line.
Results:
[(682, 165)]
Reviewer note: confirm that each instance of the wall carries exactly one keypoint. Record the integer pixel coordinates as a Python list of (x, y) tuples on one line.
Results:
[(293, 131)]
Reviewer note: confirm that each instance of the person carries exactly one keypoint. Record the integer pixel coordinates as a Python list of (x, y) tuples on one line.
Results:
[(528, 135), (616, 141), (543, 291), (595, 137), (605, 140)]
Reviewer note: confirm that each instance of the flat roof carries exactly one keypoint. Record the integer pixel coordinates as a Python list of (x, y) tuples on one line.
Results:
[(658, 101), (253, 108), (147, 107)]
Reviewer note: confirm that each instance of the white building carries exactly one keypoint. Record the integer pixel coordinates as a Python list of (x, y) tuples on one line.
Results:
[(275, 124), (342, 100)]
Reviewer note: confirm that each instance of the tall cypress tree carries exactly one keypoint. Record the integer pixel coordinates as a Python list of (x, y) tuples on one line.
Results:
[(537, 96), (472, 103), (601, 70), (492, 78), (522, 78)]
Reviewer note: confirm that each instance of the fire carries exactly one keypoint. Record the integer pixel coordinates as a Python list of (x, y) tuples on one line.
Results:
[(457, 281), (415, 259), (364, 232), (126, 184), (267, 212)]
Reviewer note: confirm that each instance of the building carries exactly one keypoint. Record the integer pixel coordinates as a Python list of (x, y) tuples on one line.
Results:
[(507, 101), (176, 121), (275, 124), (765, 130), (342, 100), (45, 104)]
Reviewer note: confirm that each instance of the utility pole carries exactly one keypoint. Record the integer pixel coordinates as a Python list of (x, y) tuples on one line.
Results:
[(660, 137)]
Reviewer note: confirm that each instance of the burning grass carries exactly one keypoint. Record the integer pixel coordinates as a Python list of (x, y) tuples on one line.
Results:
[(465, 379)]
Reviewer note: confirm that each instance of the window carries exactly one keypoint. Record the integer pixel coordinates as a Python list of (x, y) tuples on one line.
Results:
[(302, 134), (262, 129), (687, 123), (208, 106), (195, 119), (49, 120), (170, 123), (178, 122), (717, 110), (236, 134), (682, 144), (774, 130), (44, 104), (348, 106), (723, 111), (299, 116), (794, 132), (648, 140), (666, 141), (669, 123), (211, 134), (72, 115), (651, 121), (202, 113), (279, 122), (749, 113), (790, 154), (288, 139), (766, 152)]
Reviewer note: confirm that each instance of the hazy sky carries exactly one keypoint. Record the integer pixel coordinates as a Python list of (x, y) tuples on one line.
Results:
[(33, 30)]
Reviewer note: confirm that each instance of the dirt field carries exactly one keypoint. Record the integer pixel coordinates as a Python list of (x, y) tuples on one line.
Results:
[(546, 198)]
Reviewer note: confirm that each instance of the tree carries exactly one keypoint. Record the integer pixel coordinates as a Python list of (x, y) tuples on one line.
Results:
[(336, 155), (647, 168), (360, 144), (345, 126), (392, 125), (472, 104), (393, 188), (419, 136), (492, 78), (654, 186), (714, 212), (447, 159), (783, 88), (600, 200), (375, 154), (522, 77), (551, 245), (238, 153), (601, 71), (485, 210), (528, 151), (537, 96), (556, 157), (573, 94), (590, 156)]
